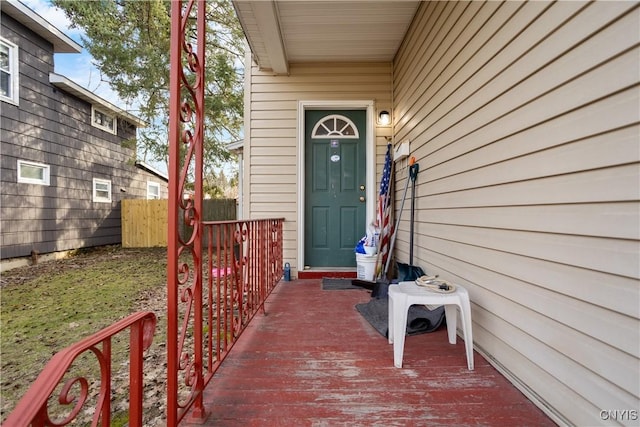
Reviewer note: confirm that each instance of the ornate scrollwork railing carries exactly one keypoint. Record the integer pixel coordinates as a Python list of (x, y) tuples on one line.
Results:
[(244, 264), (241, 265), (73, 389), (184, 278), (209, 301)]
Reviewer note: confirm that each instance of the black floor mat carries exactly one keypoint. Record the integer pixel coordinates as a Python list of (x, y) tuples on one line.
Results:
[(330, 284), (420, 319)]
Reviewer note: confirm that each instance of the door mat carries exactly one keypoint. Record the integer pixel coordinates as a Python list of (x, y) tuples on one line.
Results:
[(420, 319), (332, 283)]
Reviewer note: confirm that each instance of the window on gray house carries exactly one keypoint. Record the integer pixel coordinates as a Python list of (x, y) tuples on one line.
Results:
[(103, 120), (101, 190), (153, 190), (8, 71), (33, 173)]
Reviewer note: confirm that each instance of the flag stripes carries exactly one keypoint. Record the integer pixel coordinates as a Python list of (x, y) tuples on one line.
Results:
[(385, 212)]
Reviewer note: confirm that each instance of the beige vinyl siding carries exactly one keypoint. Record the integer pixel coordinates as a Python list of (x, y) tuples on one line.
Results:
[(524, 118), (271, 143)]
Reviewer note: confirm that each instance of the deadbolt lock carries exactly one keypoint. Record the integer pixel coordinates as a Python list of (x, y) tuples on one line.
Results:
[(362, 188)]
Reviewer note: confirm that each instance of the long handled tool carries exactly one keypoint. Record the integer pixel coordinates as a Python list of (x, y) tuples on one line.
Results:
[(413, 174), (395, 230)]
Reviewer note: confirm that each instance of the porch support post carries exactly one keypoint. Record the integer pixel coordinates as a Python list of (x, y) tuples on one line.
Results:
[(198, 412), (172, 221), (184, 263)]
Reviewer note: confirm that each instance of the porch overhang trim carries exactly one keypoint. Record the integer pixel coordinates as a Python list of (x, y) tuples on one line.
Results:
[(259, 20), (236, 146)]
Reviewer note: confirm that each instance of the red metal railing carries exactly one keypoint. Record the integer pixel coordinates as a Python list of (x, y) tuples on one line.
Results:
[(209, 301), (184, 253), (247, 267), (242, 265), (34, 408)]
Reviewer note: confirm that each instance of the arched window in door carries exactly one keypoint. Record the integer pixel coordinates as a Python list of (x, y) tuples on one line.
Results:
[(335, 126)]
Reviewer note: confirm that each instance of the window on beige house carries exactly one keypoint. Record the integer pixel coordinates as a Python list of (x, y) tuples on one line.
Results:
[(334, 126)]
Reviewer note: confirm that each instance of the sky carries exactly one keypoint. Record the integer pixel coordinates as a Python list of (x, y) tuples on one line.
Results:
[(77, 67)]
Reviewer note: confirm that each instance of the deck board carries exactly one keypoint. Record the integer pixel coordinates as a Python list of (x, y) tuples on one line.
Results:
[(313, 360)]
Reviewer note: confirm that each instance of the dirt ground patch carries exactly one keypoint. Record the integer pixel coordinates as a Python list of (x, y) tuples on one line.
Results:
[(50, 305)]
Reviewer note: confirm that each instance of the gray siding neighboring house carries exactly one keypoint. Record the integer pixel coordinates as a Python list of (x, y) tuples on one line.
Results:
[(62, 175)]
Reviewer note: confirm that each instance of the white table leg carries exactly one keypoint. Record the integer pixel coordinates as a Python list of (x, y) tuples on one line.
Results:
[(451, 317), (465, 314), (400, 311), (390, 312)]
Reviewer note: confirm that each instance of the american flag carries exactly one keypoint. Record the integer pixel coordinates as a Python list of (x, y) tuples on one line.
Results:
[(385, 212)]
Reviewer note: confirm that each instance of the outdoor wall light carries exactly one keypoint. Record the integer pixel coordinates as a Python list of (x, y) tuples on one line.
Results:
[(384, 118)]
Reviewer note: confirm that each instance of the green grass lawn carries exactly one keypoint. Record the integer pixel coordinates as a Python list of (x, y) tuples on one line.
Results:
[(50, 305)]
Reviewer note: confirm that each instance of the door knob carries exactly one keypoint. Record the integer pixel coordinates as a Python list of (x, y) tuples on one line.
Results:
[(362, 198)]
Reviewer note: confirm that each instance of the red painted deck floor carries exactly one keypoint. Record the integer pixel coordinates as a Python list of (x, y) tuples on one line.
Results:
[(313, 360)]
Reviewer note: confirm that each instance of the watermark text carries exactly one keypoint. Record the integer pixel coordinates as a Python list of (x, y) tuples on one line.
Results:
[(619, 415)]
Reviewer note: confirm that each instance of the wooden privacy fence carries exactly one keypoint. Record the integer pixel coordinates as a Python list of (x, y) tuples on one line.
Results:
[(144, 222)]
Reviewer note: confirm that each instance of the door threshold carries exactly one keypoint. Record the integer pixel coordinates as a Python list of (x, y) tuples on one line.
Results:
[(320, 272)]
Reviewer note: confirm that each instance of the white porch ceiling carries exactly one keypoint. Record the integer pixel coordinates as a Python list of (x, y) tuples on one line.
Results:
[(284, 32)]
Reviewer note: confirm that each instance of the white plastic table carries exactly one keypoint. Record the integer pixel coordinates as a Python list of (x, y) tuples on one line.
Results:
[(405, 294)]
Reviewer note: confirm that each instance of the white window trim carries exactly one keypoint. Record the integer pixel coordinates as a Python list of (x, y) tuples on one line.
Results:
[(104, 128), (99, 199), (26, 180), (14, 73), (151, 184)]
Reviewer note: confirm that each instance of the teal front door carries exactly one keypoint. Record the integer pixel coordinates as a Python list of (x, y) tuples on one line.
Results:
[(335, 204)]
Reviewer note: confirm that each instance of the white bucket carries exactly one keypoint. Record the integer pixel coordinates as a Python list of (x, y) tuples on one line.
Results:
[(366, 266), (370, 250)]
